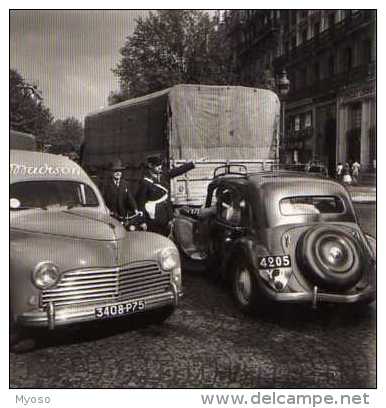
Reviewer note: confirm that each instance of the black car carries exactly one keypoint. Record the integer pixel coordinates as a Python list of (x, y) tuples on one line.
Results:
[(280, 236)]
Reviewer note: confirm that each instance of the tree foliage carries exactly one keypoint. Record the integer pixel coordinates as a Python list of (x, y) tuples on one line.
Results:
[(27, 111), (64, 136), (171, 47)]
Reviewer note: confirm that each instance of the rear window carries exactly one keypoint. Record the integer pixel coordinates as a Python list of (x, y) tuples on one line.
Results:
[(308, 205)]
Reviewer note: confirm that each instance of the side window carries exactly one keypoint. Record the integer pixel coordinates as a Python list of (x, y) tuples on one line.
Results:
[(214, 200), (231, 206), (91, 198)]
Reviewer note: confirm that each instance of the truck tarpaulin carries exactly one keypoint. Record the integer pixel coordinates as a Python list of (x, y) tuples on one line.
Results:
[(211, 125), (223, 122)]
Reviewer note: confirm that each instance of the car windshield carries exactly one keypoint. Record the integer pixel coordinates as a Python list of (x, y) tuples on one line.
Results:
[(307, 205), (44, 194)]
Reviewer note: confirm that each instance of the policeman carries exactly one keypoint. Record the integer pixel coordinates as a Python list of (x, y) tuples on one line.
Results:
[(117, 194), (153, 194)]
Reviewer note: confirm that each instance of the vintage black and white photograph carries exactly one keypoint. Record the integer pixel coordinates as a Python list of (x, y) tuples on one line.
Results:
[(193, 200)]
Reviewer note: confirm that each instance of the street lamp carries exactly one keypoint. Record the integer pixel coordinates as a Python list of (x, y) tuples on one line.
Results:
[(283, 87)]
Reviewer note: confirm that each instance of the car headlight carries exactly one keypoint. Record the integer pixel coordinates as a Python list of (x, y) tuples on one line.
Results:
[(169, 259), (45, 275)]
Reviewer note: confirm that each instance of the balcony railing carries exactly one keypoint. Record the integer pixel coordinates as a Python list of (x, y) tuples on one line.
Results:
[(270, 27), (360, 73), (324, 38), (293, 137)]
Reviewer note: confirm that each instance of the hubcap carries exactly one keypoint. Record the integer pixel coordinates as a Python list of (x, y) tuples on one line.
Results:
[(335, 253), (244, 286)]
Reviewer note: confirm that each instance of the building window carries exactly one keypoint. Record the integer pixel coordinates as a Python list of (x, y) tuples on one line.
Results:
[(331, 20), (292, 18), (356, 116), (302, 121), (316, 72), (347, 59), (346, 14), (293, 42), (331, 66), (286, 47), (354, 133), (297, 123), (316, 29), (304, 36), (366, 51), (302, 78), (308, 120), (293, 81)]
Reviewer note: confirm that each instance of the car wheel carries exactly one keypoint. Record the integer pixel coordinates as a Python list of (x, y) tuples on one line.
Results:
[(20, 341), (330, 257), (244, 288)]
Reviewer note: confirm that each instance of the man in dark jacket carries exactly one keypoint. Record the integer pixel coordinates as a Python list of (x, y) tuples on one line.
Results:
[(117, 194), (153, 194)]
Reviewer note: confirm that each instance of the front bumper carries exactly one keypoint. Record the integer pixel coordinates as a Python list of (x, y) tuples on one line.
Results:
[(52, 317)]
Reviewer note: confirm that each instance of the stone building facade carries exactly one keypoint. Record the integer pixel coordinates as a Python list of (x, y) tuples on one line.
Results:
[(330, 60)]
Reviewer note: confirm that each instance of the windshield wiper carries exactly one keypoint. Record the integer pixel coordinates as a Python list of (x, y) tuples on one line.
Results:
[(29, 207), (72, 205)]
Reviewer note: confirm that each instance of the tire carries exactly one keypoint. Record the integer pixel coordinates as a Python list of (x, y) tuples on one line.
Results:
[(20, 341), (245, 289), (330, 258)]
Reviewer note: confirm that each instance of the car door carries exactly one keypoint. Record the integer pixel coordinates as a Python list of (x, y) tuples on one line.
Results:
[(230, 221)]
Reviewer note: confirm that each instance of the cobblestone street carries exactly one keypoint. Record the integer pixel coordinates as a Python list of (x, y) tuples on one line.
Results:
[(209, 343)]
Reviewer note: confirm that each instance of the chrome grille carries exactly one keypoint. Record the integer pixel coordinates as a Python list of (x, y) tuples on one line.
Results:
[(131, 281)]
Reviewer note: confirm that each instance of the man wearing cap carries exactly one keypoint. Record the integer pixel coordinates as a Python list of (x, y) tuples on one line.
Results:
[(153, 193), (117, 194)]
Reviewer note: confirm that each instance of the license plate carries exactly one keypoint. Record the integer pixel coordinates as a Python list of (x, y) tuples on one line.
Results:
[(120, 309), (278, 261)]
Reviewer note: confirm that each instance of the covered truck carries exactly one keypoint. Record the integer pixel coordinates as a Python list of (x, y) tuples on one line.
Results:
[(211, 125)]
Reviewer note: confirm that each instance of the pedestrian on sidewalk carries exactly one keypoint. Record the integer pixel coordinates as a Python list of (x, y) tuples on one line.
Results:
[(339, 171), (355, 171), (347, 179)]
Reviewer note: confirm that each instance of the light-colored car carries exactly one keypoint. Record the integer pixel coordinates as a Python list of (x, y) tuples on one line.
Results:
[(70, 261)]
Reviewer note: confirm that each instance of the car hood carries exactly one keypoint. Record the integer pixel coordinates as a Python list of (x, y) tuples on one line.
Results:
[(75, 223), (28, 249)]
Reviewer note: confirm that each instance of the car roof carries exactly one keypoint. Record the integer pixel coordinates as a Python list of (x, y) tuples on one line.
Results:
[(284, 176), (27, 165), (287, 181)]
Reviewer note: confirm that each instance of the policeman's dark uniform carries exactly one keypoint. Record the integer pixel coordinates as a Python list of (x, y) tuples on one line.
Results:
[(153, 195), (117, 194)]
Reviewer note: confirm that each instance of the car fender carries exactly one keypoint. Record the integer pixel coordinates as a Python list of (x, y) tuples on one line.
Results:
[(372, 243), (248, 248)]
